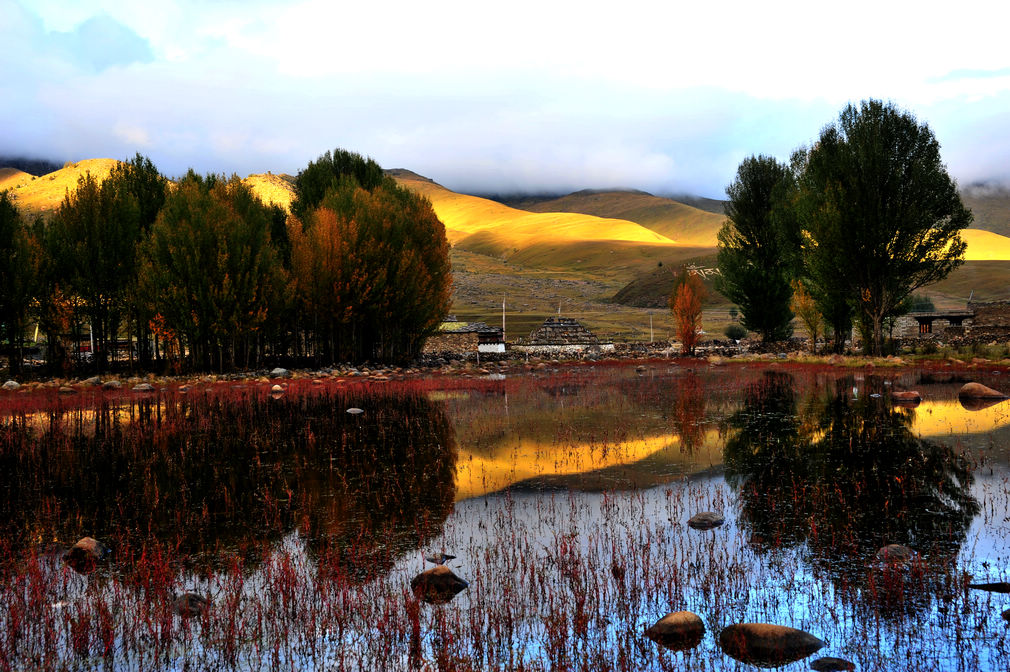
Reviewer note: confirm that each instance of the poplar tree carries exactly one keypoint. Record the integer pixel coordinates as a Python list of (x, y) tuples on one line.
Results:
[(758, 247), (880, 214)]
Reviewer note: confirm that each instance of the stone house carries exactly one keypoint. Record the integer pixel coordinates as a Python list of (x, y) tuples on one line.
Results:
[(980, 320), (464, 338), (562, 335)]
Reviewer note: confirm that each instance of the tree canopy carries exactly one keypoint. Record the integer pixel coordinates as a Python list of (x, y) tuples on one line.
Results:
[(757, 246), (876, 199)]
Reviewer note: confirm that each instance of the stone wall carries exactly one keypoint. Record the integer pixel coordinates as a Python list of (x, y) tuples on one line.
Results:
[(991, 313), (450, 343), (562, 331)]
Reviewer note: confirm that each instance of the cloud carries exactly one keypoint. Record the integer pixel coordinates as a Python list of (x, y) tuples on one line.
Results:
[(535, 96), (101, 42)]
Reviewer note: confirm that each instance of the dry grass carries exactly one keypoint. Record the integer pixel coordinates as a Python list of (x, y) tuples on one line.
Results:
[(675, 220), (272, 189), (42, 195), (507, 230)]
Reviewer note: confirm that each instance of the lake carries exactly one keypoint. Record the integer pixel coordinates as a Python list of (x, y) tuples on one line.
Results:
[(564, 492)]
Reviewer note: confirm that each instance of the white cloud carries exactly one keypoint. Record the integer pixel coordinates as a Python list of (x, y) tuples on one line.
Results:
[(661, 97)]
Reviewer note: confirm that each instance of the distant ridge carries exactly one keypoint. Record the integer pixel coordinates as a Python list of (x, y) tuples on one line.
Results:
[(36, 167)]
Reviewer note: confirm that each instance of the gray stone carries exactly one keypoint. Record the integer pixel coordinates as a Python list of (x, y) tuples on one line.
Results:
[(11, 385), (831, 664), (355, 411), (111, 385), (706, 520), (143, 387), (280, 373), (677, 631), (767, 645)]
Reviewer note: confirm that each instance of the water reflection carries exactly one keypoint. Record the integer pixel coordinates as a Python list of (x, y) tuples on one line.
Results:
[(845, 476), (206, 475)]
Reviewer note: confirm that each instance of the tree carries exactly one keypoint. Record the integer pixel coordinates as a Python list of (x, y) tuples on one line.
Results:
[(758, 245), (879, 213), (685, 303), (324, 174), (210, 271), (372, 269), (17, 278), (93, 238), (805, 307)]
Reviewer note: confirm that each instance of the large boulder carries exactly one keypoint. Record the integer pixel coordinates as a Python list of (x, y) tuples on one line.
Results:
[(895, 554), (280, 373), (11, 385), (437, 586), (706, 520), (908, 395), (83, 556), (767, 645), (829, 664), (998, 587), (979, 391), (677, 631)]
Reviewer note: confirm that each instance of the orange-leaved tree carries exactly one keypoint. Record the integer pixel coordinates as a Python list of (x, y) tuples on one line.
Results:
[(371, 268), (685, 302), (805, 308)]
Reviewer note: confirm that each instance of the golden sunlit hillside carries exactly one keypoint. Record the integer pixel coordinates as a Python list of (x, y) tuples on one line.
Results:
[(986, 246), (504, 230), (42, 195), (273, 189), (670, 218)]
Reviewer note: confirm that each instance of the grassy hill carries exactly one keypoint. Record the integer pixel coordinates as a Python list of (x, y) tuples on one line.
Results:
[(42, 195), (675, 220)]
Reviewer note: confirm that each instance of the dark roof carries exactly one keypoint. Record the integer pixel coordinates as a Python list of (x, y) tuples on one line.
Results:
[(562, 331)]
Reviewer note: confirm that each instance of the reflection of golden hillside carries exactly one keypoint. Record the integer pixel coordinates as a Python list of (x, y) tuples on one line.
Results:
[(943, 418), (522, 459)]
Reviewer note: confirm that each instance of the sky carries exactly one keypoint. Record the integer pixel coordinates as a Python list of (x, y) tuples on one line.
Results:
[(535, 97)]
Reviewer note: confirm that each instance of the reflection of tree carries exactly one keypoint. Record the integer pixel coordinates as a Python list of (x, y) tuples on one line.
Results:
[(848, 484), (689, 412), (203, 474)]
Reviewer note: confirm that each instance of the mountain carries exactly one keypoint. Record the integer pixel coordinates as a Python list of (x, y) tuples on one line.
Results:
[(990, 203), (42, 195), (678, 221), (570, 241)]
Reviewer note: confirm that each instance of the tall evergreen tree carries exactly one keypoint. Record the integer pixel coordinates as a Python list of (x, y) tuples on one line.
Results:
[(210, 271), (326, 172), (880, 214), (17, 279), (758, 247)]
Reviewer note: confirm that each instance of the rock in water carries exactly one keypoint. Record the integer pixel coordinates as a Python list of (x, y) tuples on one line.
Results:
[(706, 520), (677, 631), (999, 587), (895, 554), (767, 645), (11, 385), (85, 554), (910, 395), (189, 605), (143, 387), (979, 391), (355, 411), (439, 558), (280, 373), (437, 586), (829, 664), (111, 385)]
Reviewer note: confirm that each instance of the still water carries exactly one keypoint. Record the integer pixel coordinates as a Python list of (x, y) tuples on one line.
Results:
[(564, 495)]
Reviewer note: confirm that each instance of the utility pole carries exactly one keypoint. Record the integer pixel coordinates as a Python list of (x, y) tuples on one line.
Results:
[(651, 339)]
